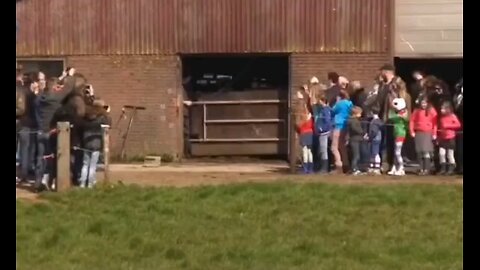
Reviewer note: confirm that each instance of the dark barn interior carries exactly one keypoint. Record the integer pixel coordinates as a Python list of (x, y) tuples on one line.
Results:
[(448, 69), (240, 105)]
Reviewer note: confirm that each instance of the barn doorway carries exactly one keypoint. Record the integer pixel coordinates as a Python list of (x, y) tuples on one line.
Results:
[(239, 105), (449, 70)]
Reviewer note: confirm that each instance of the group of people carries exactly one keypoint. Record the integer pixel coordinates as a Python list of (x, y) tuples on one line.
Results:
[(40, 104), (368, 129)]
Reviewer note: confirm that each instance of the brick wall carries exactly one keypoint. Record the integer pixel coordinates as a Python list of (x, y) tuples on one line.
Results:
[(149, 81), (154, 82), (361, 67)]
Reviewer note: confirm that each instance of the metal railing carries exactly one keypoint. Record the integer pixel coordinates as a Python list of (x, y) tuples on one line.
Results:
[(206, 122)]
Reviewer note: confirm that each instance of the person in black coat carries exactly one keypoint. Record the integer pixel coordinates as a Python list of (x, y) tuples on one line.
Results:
[(92, 141), (48, 102), (26, 125)]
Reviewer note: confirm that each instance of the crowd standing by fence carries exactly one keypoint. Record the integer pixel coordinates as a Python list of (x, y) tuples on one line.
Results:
[(367, 129), (40, 105), (342, 128)]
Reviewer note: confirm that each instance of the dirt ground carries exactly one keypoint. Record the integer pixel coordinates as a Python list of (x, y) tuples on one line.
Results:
[(192, 174)]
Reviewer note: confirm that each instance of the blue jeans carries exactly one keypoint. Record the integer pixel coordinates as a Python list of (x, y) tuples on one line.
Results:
[(323, 146), (375, 148), (24, 138), (43, 165), (89, 168)]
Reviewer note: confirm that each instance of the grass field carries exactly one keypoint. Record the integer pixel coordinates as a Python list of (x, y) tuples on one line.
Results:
[(246, 226)]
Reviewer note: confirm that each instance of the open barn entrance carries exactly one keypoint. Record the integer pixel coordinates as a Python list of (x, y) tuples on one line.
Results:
[(449, 70), (239, 105)]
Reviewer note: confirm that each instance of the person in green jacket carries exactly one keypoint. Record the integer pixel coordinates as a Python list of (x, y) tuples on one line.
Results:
[(398, 117)]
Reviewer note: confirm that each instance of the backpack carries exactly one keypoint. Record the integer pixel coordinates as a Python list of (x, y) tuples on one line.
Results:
[(323, 120)]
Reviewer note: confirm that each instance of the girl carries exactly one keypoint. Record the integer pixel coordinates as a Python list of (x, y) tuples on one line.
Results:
[(449, 124), (423, 128), (398, 117), (341, 112), (305, 131), (322, 114), (95, 117)]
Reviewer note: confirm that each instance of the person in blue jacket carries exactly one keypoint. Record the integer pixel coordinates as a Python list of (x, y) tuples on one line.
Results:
[(323, 125), (341, 112)]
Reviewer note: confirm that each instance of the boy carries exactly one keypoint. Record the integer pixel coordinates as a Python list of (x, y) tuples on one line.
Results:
[(375, 138), (356, 135)]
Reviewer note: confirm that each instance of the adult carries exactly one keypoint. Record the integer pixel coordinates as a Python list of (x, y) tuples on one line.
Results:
[(26, 120), (359, 98), (334, 89), (49, 101), (384, 98), (417, 86), (341, 112)]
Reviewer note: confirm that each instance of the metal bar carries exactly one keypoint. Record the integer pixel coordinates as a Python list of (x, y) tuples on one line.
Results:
[(238, 102), (204, 121), (241, 121), (239, 140)]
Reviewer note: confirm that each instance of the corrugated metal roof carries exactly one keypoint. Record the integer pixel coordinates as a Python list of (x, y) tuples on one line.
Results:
[(59, 27)]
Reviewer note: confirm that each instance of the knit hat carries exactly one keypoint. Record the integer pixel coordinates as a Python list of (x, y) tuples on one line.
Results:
[(399, 104), (314, 80)]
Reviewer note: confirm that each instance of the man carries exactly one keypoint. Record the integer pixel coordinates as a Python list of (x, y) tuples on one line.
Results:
[(27, 124), (387, 73), (417, 87), (334, 90), (49, 101)]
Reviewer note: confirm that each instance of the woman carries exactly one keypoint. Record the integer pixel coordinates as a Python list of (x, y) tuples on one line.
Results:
[(341, 112)]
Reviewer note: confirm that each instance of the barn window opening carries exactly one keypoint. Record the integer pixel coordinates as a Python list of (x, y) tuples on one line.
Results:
[(50, 67), (240, 105)]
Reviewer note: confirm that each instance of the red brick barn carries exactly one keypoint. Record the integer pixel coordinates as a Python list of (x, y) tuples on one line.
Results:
[(145, 52)]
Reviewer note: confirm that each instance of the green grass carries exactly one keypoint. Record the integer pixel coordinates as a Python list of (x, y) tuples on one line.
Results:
[(248, 226)]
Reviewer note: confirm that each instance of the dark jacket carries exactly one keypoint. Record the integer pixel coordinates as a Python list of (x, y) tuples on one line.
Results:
[(359, 98), (47, 105), (331, 94), (92, 135), (354, 129), (26, 108), (415, 91)]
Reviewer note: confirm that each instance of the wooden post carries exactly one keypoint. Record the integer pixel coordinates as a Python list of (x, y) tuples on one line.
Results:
[(64, 181), (106, 153)]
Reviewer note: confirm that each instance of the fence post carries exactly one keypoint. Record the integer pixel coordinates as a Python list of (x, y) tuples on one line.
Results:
[(106, 153), (64, 181)]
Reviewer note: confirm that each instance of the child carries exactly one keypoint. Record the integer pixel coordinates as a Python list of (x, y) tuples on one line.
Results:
[(323, 125), (398, 117), (449, 124), (95, 117), (305, 131), (375, 137), (341, 112), (423, 128), (355, 134)]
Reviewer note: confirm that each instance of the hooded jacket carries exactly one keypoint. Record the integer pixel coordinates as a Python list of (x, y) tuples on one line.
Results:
[(92, 135)]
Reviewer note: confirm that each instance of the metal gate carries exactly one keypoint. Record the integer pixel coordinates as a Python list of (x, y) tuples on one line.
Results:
[(238, 127)]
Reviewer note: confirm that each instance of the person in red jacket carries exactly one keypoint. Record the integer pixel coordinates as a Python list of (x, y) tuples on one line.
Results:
[(449, 125), (304, 124), (423, 128)]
